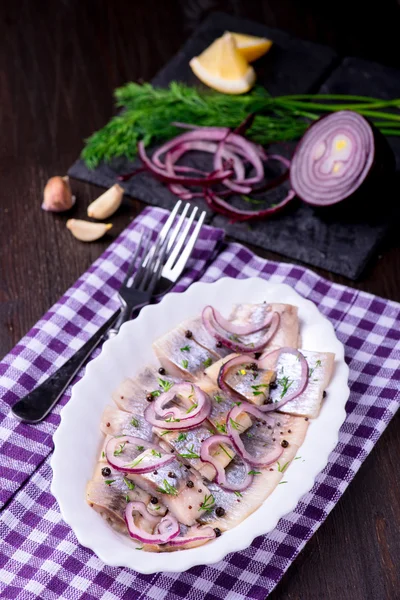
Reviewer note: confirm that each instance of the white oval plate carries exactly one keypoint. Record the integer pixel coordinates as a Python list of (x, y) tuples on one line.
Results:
[(78, 438)]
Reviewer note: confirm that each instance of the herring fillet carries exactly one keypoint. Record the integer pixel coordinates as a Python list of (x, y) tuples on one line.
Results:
[(307, 404), (169, 484), (117, 422), (185, 364), (236, 507), (288, 333)]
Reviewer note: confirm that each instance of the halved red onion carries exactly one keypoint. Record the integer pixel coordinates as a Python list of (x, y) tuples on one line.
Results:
[(336, 155), (119, 463), (270, 361), (200, 402), (195, 534), (271, 455), (212, 323), (166, 528), (220, 478)]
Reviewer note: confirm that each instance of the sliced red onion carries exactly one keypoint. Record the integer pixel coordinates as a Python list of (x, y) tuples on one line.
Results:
[(336, 155), (166, 528), (236, 328), (173, 418), (164, 176), (199, 534), (212, 323), (119, 463), (271, 455), (199, 400), (238, 215), (271, 360), (220, 478)]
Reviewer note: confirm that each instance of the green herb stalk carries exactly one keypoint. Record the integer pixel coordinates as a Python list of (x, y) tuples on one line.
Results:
[(147, 114)]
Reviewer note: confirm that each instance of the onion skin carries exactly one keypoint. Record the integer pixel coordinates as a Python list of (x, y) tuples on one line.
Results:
[(367, 158)]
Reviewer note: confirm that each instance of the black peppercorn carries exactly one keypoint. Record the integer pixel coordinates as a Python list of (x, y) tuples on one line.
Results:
[(218, 532), (253, 367), (284, 443), (154, 500), (155, 472), (106, 471), (150, 397), (190, 484), (219, 344), (273, 385), (306, 419), (257, 355), (161, 370), (200, 490), (171, 475), (219, 511), (324, 394), (188, 334)]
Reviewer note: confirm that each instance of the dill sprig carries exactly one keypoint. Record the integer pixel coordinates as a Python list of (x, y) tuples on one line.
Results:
[(147, 113)]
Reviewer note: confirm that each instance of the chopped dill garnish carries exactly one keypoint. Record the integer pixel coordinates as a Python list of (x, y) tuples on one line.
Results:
[(167, 489)]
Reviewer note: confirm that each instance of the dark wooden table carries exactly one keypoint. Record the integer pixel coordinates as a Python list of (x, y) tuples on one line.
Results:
[(59, 62)]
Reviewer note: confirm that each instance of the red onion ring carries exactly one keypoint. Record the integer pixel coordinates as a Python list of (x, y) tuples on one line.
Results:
[(272, 358), (118, 462), (336, 155), (238, 215), (167, 528), (235, 328), (199, 398), (221, 334), (164, 176), (234, 434), (202, 534), (188, 421), (220, 477)]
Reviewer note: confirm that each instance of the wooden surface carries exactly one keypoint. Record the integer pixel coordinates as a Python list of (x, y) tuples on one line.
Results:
[(59, 62)]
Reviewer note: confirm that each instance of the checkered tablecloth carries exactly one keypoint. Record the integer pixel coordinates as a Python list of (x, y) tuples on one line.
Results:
[(39, 554)]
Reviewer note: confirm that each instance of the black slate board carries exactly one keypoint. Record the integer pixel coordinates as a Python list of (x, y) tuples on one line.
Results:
[(292, 66), (341, 244)]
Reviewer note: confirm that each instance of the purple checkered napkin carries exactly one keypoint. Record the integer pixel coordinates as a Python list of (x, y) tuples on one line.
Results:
[(61, 331), (40, 556)]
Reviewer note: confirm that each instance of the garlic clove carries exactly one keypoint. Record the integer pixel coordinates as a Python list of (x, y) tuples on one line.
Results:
[(57, 195), (85, 231), (107, 203)]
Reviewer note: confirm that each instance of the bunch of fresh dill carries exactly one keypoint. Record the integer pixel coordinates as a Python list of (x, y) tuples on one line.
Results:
[(147, 113)]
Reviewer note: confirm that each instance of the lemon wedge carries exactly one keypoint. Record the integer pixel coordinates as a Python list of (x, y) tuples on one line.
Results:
[(222, 67), (251, 47)]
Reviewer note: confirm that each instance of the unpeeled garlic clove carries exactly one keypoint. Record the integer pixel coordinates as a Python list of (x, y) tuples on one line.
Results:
[(107, 203), (57, 195), (87, 231)]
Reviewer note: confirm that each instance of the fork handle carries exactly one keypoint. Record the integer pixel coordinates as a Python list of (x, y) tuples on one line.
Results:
[(33, 407)]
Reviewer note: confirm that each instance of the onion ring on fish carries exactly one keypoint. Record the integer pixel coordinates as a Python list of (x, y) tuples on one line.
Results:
[(119, 462), (220, 478), (223, 330), (202, 534), (174, 417), (166, 528), (271, 455)]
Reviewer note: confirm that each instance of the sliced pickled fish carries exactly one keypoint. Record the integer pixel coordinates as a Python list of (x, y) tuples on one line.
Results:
[(288, 330), (118, 422), (239, 506)]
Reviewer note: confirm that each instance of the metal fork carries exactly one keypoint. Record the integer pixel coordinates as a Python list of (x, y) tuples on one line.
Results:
[(163, 261)]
